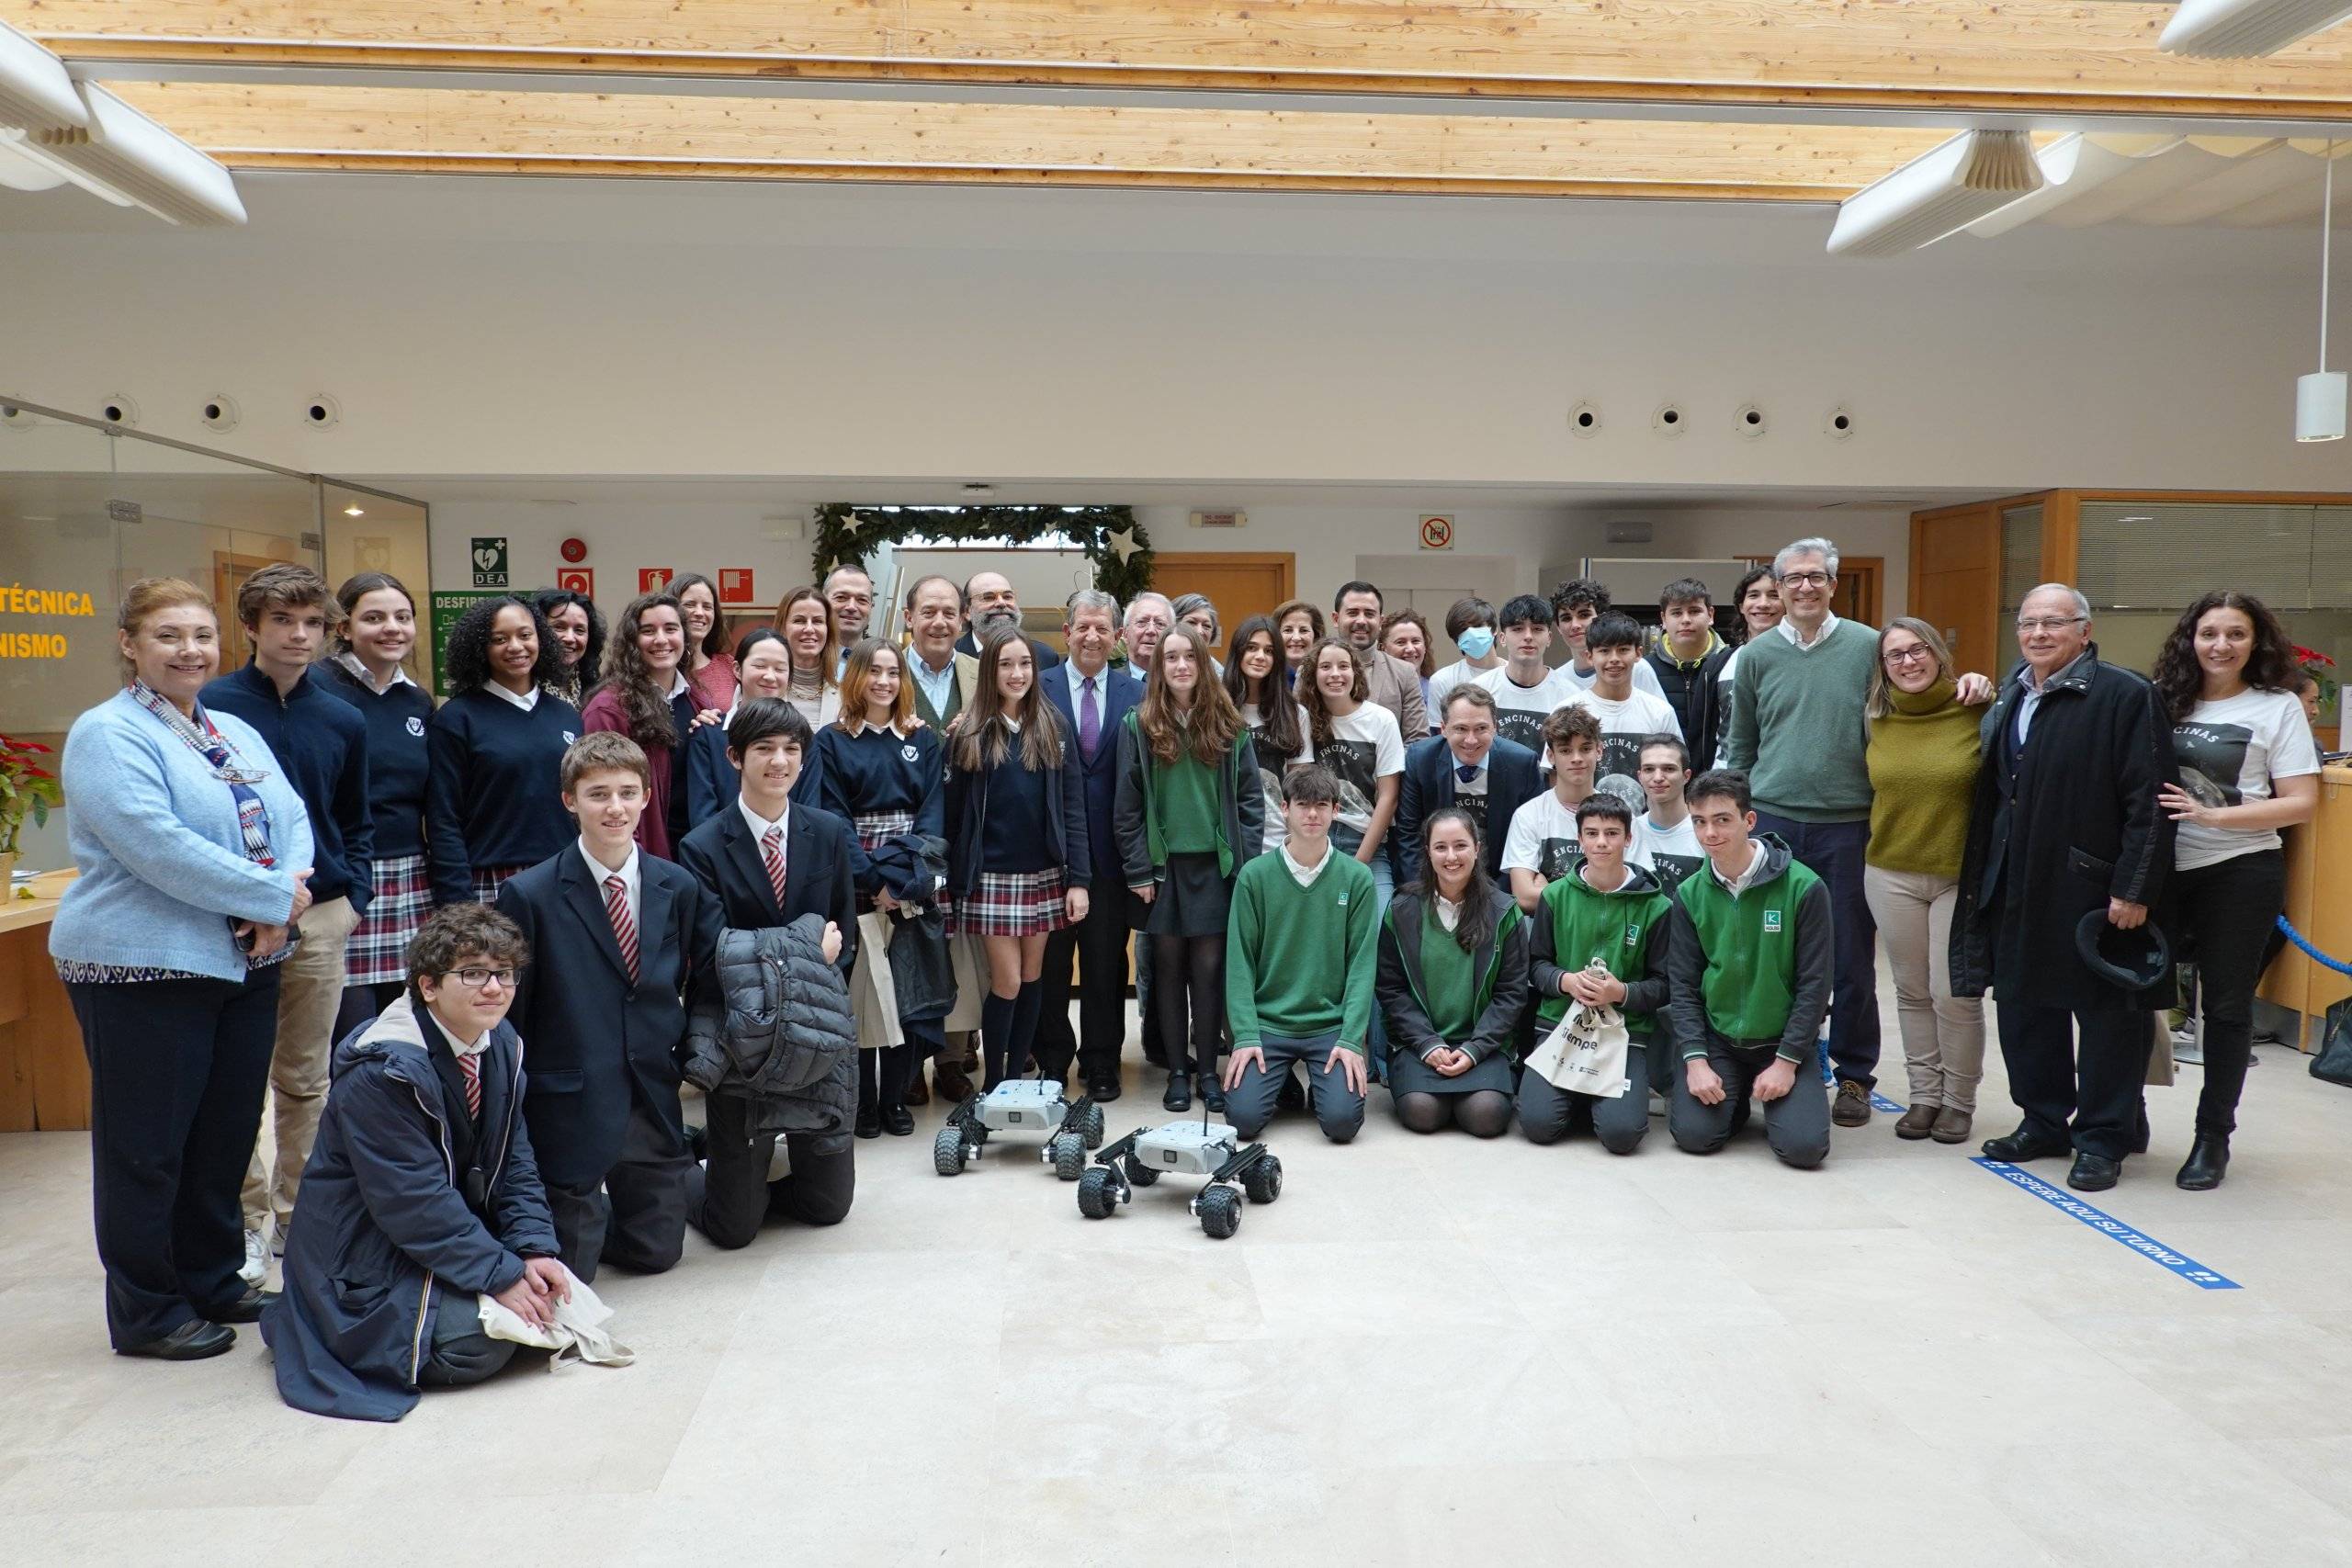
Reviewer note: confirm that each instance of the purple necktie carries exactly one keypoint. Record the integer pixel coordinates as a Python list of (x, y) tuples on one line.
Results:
[(1090, 722)]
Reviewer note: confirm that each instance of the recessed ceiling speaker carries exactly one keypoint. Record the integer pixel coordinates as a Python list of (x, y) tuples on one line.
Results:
[(1750, 421), (322, 412), (14, 418), (1837, 424), (1584, 419), (218, 413), (1669, 420), (118, 409)]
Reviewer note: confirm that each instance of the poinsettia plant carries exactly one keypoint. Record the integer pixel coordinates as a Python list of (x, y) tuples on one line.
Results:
[(26, 789), (2319, 664)]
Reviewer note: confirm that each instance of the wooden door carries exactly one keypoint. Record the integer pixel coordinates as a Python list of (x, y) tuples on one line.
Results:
[(1241, 584), (1956, 580), (1860, 596)]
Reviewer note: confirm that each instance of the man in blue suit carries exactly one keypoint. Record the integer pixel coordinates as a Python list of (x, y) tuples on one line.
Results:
[(1466, 763), (1092, 698)]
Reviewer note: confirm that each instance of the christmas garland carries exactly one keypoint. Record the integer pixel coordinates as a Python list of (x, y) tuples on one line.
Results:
[(1110, 536)]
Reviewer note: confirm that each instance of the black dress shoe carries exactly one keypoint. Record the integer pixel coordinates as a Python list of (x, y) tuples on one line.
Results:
[(245, 1308), (2209, 1160), (898, 1121), (191, 1341), (1212, 1093), (2016, 1148), (2094, 1173), (1179, 1093), (1102, 1092), (869, 1122)]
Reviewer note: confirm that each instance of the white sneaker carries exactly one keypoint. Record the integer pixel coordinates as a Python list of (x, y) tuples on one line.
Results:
[(257, 1267), (1657, 1103)]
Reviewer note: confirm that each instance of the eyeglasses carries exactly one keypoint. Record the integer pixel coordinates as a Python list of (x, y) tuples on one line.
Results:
[(2049, 622), (475, 979), (1913, 655), (1816, 579)]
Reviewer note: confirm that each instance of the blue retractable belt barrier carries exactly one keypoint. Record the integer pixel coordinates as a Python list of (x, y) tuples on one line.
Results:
[(2315, 955)]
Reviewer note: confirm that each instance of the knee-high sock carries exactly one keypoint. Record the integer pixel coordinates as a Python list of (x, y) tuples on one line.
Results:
[(1025, 1007), (996, 1034)]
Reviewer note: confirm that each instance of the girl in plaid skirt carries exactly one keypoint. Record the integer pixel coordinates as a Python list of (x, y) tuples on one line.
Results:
[(1017, 859)]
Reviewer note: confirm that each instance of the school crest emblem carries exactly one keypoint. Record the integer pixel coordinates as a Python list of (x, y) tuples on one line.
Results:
[(415, 726), (1771, 920)]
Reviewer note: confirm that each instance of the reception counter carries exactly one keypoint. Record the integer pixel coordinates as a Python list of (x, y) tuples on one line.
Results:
[(44, 1081), (2319, 904)]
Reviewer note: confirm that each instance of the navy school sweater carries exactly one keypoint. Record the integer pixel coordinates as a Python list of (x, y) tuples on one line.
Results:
[(495, 794), (878, 770), (397, 757), (322, 746)]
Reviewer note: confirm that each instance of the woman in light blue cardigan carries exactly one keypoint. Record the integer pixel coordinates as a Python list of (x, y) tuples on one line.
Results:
[(194, 851)]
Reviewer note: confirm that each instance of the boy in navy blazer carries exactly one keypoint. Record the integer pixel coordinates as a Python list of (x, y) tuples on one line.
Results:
[(768, 742), (1466, 763), (1092, 698), (618, 938)]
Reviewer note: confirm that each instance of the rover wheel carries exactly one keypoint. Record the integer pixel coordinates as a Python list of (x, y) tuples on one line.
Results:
[(1089, 1125), (1096, 1196), (1263, 1181), (1139, 1173), (947, 1150), (1220, 1212), (1069, 1157)]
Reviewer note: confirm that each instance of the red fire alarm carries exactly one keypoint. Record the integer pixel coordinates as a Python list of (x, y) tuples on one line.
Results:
[(575, 550)]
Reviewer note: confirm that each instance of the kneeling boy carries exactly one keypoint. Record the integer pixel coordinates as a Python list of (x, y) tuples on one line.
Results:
[(1301, 946), (422, 1194), (1601, 908), (1749, 958)]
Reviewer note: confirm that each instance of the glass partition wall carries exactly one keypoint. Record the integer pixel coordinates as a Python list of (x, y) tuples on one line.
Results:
[(87, 509)]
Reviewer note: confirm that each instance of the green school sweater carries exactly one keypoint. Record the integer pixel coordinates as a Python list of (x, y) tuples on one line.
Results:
[(1617, 928), (1189, 817), (1797, 726), (1451, 993), (1748, 952), (1923, 759), (1299, 960)]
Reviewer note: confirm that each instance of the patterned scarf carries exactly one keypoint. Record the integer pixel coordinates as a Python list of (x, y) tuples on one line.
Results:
[(253, 816)]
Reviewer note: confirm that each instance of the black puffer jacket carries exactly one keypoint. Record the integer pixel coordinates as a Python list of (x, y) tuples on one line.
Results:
[(779, 1034)]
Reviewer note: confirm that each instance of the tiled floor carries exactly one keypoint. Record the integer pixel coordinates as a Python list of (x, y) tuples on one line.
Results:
[(1430, 1350)]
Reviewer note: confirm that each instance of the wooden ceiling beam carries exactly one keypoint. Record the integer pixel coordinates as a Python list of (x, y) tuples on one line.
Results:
[(2050, 57)]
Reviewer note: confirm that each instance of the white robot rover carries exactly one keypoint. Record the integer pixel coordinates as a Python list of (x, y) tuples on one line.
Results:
[(1187, 1149), (1021, 1105)]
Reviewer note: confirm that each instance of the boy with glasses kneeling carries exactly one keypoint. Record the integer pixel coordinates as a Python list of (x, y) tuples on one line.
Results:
[(422, 1194)]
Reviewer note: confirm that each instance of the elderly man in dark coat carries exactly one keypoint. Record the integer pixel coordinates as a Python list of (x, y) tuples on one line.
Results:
[(2065, 823), (421, 1195)]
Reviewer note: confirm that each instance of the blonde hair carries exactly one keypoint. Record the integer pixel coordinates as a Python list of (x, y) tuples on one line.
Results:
[(151, 596), (1881, 700)]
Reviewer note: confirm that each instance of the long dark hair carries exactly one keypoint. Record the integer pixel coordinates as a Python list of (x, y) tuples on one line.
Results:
[(1213, 723), (469, 644), (981, 740), (714, 641), (1477, 923), (1276, 731), (647, 710), (2270, 664), (548, 601), (1754, 575)]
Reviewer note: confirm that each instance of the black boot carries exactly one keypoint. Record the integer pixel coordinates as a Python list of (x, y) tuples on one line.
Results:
[(890, 1096), (2209, 1160), (1180, 1091)]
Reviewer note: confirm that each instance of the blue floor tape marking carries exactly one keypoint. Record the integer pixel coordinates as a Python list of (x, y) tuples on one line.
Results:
[(2155, 1252), (1880, 1102)]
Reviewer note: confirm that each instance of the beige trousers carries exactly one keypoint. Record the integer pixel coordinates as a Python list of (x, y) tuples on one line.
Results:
[(310, 990), (1943, 1035)]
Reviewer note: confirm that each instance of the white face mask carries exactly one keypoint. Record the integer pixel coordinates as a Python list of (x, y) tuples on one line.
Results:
[(1477, 642)]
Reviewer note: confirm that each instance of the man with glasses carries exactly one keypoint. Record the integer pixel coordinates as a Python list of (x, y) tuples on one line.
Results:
[(2066, 823), (1795, 729), (422, 1195)]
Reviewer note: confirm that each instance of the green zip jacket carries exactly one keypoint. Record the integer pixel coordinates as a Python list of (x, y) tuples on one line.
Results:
[(1626, 930), (1752, 971), (1241, 809)]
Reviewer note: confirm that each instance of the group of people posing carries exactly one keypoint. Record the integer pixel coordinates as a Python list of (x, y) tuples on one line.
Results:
[(305, 884)]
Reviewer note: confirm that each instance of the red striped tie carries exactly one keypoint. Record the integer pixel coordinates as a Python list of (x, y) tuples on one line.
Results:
[(471, 1066), (772, 851), (624, 923)]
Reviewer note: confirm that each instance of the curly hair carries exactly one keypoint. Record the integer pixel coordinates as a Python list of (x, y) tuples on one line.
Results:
[(1310, 696), (1395, 619), (458, 931), (714, 641), (2270, 664), (1214, 722), (647, 710), (468, 657), (592, 658), (1750, 579)]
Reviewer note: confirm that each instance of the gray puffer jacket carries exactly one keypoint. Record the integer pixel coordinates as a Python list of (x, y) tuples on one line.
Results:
[(779, 1033)]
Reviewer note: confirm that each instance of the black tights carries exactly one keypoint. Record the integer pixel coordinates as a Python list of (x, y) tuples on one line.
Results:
[(1482, 1113), (1194, 965)]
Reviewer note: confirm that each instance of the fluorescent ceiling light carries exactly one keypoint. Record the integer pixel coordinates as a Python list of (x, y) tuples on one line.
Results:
[(1971, 176), (2240, 29), (34, 92), (25, 174), (128, 159)]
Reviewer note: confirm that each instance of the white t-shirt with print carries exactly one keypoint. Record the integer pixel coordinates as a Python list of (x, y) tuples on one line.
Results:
[(1519, 711), (1542, 836), (1625, 725), (1271, 778), (1645, 677), (1670, 853), (1365, 747), (2230, 752)]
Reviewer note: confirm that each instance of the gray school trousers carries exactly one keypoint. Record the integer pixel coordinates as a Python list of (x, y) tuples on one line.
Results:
[(1796, 1124), (1249, 1104)]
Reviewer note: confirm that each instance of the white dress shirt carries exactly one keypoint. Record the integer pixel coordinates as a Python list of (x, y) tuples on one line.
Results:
[(1080, 701), (352, 662), (526, 701), (1788, 628), (626, 872), (1304, 875)]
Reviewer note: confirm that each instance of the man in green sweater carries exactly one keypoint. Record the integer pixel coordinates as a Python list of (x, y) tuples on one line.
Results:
[(1301, 947), (1748, 956)]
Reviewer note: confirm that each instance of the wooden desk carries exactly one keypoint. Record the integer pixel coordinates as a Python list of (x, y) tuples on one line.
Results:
[(2319, 904), (44, 1079)]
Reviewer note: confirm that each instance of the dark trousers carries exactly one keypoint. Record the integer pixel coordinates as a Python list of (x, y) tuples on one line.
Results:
[(728, 1199), (177, 1070), (364, 1004), (636, 1218), (2077, 1075), (1796, 1124), (1100, 945), (459, 1353), (2225, 915), (1833, 851)]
